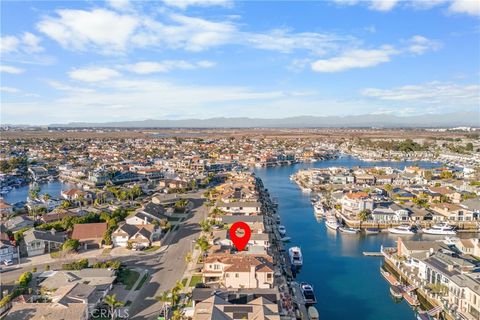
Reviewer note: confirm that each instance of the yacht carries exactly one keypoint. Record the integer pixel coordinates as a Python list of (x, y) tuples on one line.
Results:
[(440, 229), (318, 209), (402, 229), (308, 293), (348, 230), (296, 258), (282, 230), (332, 223)]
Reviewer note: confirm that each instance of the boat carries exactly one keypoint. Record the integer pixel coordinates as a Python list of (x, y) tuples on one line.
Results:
[(313, 313), (296, 258), (285, 239), (318, 209), (396, 292), (440, 229), (372, 231), (389, 277), (411, 298), (308, 293), (348, 230), (402, 229), (451, 240), (332, 223), (282, 230)]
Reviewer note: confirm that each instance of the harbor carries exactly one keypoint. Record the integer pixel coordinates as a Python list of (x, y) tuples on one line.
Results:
[(334, 262)]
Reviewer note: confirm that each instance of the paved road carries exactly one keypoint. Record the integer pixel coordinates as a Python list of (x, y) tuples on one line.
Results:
[(168, 266)]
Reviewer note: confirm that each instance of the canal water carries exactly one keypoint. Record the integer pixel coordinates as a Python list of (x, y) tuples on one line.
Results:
[(52, 188), (347, 284)]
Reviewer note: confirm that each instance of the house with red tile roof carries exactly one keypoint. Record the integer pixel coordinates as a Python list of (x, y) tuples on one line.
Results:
[(90, 235)]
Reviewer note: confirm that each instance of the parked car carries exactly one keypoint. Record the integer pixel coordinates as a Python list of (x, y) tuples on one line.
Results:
[(8, 262)]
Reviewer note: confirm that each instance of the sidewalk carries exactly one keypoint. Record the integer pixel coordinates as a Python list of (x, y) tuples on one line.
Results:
[(132, 294)]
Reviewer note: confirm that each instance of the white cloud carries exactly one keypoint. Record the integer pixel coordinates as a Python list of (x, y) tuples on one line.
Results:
[(98, 29), (26, 43), (383, 5), (10, 69), (146, 67), (420, 44), (93, 74), (435, 93), (119, 4), (183, 4), (9, 90), (471, 7), (353, 59)]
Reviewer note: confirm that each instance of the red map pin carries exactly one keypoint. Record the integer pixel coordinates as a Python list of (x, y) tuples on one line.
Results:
[(240, 241)]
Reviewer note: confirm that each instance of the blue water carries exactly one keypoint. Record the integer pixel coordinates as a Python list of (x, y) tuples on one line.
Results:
[(52, 188), (347, 284)]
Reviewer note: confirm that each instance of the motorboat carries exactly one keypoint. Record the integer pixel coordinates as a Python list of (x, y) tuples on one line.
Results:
[(372, 231), (440, 229), (313, 313), (296, 258), (318, 209), (332, 223), (450, 241), (308, 293), (348, 230), (396, 292), (402, 229), (282, 230)]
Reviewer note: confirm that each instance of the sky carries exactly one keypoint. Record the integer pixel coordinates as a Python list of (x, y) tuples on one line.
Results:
[(101, 61)]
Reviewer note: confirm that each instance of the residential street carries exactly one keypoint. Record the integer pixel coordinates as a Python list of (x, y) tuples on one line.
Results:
[(169, 265)]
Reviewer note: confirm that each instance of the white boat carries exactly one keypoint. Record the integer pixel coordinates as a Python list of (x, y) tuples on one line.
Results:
[(440, 229), (348, 230), (296, 258), (318, 209), (308, 293), (402, 229), (332, 223), (313, 313), (451, 240), (282, 230)]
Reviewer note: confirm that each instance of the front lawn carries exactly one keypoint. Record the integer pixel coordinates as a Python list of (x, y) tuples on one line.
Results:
[(140, 284), (195, 280), (128, 277), (152, 249)]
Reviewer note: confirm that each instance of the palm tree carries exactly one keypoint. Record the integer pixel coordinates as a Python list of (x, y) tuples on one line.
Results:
[(178, 314), (112, 301)]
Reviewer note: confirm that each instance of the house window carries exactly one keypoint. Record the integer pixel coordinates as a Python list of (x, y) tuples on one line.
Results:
[(269, 276), (236, 275), (216, 267)]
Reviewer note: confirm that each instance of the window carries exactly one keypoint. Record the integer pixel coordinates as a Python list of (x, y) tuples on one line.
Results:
[(236, 275)]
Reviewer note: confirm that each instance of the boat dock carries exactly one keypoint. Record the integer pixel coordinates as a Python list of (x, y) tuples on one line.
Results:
[(372, 254)]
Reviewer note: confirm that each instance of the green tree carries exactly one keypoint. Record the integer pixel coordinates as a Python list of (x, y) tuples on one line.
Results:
[(203, 244), (25, 279), (112, 301), (205, 225), (70, 245)]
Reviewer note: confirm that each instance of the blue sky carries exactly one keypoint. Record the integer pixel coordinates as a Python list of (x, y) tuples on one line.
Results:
[(119, 60)]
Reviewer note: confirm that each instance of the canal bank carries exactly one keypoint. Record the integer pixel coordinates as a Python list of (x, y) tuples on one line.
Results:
[(348, 285)]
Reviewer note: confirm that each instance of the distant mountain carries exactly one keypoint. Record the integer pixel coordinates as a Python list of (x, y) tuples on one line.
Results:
[(471, 119)]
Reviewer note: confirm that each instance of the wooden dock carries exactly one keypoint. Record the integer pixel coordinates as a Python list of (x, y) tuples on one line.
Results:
[(372, 254)]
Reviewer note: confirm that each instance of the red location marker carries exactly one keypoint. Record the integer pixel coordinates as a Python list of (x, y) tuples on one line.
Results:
[(240, 241)]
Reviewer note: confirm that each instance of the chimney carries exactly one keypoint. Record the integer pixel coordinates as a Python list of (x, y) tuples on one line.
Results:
[(145, 220), (53, 231), (450, 267)]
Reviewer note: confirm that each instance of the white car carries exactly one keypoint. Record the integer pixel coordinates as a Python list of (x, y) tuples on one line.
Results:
[(8, 262)]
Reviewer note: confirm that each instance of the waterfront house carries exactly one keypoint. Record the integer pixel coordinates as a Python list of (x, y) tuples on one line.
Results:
[(452, 212), (76, 196), (464, 295), (217, 308), (356, 202), (389, 212), (248, 208), (39, 242), (90, 235), (451, 195), (469, 246), (239, 271)]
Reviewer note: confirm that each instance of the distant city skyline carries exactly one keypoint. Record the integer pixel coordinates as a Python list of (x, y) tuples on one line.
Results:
[(110, 61)]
